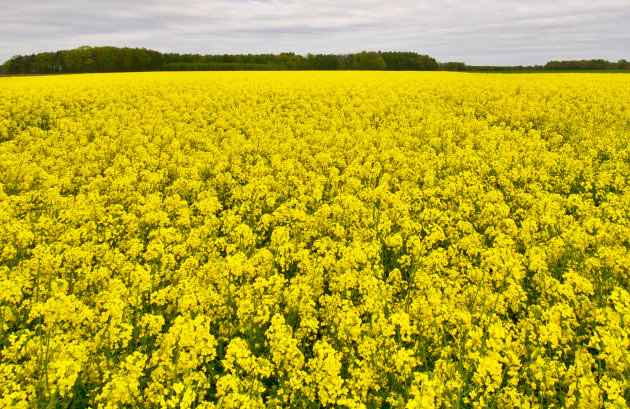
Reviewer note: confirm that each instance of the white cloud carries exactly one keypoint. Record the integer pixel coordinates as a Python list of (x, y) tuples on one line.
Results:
[(480, 32)]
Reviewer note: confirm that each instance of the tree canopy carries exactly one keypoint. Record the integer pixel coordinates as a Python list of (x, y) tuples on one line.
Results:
[(113, 59)]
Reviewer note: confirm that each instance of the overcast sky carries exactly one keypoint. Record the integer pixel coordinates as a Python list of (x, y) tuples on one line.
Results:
[(498, 32)]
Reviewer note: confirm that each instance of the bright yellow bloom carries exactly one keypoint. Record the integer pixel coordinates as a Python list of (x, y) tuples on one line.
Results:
[(315, 239)]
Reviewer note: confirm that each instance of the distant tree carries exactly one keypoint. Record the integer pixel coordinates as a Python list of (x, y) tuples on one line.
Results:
[(408, 61), (12, 65), (290, 60), (325, 62), (71, 61), (142, 60), (23, 64), (106, 59), (44, 63), (87, 58), (453, 66), (126, 60), (426, 63), (598, 64), (369, 61), (157, 60)]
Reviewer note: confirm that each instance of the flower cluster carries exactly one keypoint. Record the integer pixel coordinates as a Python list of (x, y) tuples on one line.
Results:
[(359, 240)]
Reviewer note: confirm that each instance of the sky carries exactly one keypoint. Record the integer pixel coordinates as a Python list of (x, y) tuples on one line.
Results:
[(480, 32)]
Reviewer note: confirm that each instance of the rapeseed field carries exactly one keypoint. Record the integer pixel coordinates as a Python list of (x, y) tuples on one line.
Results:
[(315, 239)]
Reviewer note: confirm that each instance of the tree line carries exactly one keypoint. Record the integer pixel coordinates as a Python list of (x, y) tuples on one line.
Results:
[(114, 59), (87, 59), (570, 65)]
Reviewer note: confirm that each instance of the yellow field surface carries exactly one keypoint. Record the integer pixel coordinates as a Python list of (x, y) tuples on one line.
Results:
[(315, 239)]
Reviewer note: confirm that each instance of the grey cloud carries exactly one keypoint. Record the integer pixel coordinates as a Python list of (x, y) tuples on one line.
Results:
[(480, 32)]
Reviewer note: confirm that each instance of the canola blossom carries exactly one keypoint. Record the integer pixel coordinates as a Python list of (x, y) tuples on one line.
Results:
[(309, 240)]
